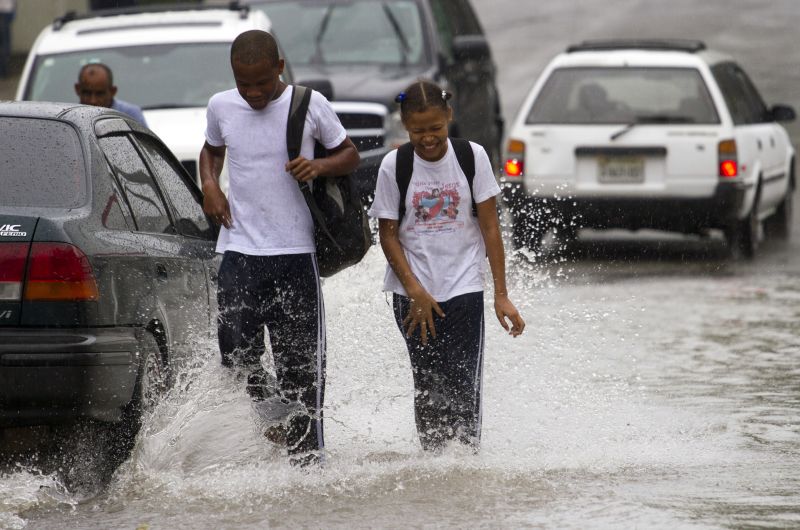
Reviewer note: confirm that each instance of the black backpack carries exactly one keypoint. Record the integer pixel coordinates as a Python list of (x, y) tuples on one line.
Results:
[(405, 166), (341, 228)]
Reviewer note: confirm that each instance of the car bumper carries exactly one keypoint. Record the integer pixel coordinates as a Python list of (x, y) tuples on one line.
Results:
[(683, 214), (56, 375)]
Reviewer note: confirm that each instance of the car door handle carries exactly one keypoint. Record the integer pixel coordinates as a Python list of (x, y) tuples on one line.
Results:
[(161, 272), (772, 141), (759, 144)]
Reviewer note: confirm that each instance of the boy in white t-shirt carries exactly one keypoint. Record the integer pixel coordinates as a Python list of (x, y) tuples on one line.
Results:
[(269, 276), (436, 248)]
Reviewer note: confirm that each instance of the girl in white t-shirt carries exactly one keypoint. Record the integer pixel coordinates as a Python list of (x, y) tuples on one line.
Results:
[(436, 239)]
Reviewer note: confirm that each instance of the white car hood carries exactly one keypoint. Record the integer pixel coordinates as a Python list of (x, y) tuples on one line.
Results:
[(182, 130)]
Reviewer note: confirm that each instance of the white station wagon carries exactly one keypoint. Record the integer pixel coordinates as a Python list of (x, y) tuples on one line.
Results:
[(638, 134)]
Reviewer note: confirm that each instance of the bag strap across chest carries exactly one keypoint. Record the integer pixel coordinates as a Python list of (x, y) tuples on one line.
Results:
[(301, 96), (404, 167)]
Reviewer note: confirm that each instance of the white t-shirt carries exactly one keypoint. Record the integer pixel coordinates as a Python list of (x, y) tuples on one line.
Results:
[(441, 238), (269, 215)]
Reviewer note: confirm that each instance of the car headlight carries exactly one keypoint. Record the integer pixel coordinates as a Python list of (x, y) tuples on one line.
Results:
[(396, 134)]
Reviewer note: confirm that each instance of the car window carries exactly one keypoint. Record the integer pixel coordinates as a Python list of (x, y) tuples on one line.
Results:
[(624, 95), (758, 109), (151, 76), (137, 184), (387, 32), (444, 27), (188, 206), (41, 164), (460, 15), (735, 94)]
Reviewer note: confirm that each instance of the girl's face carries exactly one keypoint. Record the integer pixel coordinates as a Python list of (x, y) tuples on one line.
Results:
[(427, 131)]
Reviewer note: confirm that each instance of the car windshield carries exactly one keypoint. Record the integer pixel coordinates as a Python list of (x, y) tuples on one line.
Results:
[(623, 96), (348, 32), (42, 164), (153, 76)]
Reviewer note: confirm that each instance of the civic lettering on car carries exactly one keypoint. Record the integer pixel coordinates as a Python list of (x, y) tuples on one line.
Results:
[(8, 230)]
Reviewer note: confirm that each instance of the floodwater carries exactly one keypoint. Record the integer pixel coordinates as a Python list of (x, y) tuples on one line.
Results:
[(657, 384)]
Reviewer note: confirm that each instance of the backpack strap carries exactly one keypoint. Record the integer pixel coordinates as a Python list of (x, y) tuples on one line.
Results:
[(466, 159), (405, 166), (403, 169), (301, 96)]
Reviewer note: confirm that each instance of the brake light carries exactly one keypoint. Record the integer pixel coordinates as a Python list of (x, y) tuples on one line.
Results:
[(59, 272), (515, 159), (12, 270), (728, 160)]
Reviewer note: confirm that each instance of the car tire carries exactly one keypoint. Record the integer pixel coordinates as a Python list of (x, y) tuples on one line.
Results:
[(780, 224), (743, 237)]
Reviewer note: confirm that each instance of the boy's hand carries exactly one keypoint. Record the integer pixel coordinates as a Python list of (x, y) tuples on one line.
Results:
[(302, 169), (504, 309), (421, 314), (216, 206)]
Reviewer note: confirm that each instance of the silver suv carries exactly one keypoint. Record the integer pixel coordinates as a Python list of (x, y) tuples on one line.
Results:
[(662, 134)]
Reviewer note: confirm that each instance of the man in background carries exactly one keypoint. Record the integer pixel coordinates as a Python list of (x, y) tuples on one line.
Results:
[(95, 86)]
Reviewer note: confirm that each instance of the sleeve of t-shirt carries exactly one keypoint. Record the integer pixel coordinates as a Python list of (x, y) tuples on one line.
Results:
[(213, 133), (325, 124), (386, 204), (484, 185)]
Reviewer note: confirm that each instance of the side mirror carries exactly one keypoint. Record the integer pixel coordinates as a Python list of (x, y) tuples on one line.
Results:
[(782, 113), (323, 86), (470, 48)]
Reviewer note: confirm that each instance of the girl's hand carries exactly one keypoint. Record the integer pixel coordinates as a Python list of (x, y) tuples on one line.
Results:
[(504, 309), (421, 314)]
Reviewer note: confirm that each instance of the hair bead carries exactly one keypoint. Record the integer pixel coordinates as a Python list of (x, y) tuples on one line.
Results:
[(401, 97)]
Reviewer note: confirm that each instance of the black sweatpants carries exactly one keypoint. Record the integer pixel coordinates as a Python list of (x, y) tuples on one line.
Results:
[(447, 371), (284, 294)]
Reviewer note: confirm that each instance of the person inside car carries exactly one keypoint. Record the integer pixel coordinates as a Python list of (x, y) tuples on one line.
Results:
[(96, 87)]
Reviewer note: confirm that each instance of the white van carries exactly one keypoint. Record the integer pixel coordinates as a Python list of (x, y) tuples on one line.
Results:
[(169, 62)]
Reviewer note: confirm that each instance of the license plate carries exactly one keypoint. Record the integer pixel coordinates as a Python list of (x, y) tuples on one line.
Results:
[(620, 170)]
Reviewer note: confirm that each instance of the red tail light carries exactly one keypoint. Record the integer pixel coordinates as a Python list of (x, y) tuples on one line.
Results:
[(59, 271), (12, 269), (728, 160), (515, 159)]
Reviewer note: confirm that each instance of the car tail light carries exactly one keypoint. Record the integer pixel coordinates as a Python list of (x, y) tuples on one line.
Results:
[(12, 270), (728, 161), (514, 166), (59, 272)]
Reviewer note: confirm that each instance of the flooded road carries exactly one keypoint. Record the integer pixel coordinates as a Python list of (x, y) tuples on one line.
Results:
[(657, 384)]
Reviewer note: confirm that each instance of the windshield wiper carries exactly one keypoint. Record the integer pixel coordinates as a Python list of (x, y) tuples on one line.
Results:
[(404, 46), (161, 106), (652, 118), (323, 27)]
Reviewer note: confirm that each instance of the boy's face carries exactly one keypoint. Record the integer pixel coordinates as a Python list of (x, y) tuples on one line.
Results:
[(258, 83), (428, 131)]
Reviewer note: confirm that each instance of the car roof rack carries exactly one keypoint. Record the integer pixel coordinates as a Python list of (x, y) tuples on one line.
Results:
[(678, 45), (71, 16)]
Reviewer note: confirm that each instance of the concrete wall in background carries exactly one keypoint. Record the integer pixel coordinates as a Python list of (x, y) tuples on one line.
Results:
[(33, 15)]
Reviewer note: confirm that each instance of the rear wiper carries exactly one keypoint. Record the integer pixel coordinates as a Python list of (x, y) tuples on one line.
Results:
[(652, 118)]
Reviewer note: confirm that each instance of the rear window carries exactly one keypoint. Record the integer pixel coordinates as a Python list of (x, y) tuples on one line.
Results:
[(41, 164), (624, 95)]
